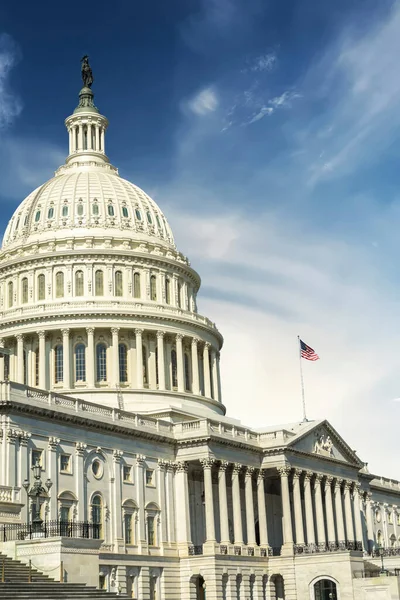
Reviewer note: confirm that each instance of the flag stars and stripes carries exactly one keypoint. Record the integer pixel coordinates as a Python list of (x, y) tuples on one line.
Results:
[(307, 352)]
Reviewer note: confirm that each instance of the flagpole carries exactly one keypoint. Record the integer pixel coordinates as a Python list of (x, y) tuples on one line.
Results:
[(302, 384)]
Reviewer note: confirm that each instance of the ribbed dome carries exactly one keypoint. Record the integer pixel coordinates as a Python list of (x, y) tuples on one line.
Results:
[(87, 200)]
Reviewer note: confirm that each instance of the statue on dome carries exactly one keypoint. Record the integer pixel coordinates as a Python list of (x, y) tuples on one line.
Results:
[(87, 75)]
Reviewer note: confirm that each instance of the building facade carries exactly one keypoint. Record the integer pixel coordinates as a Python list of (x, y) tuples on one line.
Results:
[(110, 381)]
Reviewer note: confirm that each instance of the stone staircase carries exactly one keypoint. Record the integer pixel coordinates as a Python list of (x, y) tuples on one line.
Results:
[(23, 583)]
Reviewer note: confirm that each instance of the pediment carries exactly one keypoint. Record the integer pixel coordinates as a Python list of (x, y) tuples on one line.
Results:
[(323, 441)]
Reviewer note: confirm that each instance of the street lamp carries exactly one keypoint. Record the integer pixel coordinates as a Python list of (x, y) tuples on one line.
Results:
[(35, 492), (381, 552)]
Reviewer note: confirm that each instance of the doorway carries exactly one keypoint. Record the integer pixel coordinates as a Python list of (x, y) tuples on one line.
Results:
[(325, 589)]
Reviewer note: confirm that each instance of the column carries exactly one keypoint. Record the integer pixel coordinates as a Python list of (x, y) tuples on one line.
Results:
[(339, 514), (179, 361), (262, 513), (20, 358), (330, 520), (24, 470), (370, 522), (287, 518), (115, 357), (206, 363), (161, 360), (207, 464), (357, 516), (80, 448), (2, 361), (66, 369), (348, 512), (298, 513), (70, 139), (80, 137), (223, 503), (140, 467), (237, 510), (219, 377), (97, 138), (162, 466), (117, 500), (182, 506), (139, 358), (195, 367), (319, 511), (170, 502), (102, 140), (11, 458), (52, 471), (250, 522), (309, 509), (42, 360), (90, 358), (89, 136), (215, 384)]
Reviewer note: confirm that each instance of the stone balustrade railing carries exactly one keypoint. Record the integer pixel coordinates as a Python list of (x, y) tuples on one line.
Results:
[(9, 494)]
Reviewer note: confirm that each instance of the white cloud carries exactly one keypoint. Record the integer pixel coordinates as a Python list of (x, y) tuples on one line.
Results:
[(265, 62), (263, 112), (204, 102), (10, 105)]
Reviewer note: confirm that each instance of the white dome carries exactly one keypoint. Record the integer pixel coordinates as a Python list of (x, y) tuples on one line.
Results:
[(87, 200)]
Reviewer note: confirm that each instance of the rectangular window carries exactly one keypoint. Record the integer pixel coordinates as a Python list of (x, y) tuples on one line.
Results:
[(127, 474), (37, 457), (128, 528), (151, 533), (65, 463), (149, 477)]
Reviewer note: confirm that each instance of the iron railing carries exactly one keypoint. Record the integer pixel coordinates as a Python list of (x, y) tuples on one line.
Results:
[(330, 547), (73, 529)]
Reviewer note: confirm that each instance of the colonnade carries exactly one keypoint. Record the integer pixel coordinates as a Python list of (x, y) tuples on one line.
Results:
[(88, 135), (135, 358)]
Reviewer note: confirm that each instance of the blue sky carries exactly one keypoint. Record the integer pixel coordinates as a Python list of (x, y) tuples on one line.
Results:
[(268, 132)]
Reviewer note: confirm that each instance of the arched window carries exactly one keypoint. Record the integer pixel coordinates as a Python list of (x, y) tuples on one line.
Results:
[(187, 373), (95, 209), (59, 284), (179, 294), (123, 363), (79, 283), (125, 212), (80, 363), (145, 369), (97, 517), (37, 216), (80, 209), (58, 364), (136, 285), (167, 291), (41, 283), (101, 361), (153, 288), (119, 288), (174, 369), (17, 223), (149, 219), (138, 214), (325, 588), (24, 290), (50, 213), (10, 293), (99, 283), (110, 209), (65, 210)]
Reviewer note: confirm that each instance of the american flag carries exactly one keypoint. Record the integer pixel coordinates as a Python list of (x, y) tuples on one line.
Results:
[(307, 352)]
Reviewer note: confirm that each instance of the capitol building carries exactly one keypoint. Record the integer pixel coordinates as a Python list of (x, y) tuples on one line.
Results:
[(110, 383)]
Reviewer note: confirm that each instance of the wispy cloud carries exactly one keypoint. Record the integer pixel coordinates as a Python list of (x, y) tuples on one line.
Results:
[(10, 104), (203, 102), (284, 100)]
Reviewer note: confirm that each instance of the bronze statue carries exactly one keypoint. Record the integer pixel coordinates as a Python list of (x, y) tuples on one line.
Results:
[(87, 75)]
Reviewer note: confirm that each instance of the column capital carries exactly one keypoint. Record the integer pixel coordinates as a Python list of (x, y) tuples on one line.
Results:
[(162, 464), (80, 448), (297, 473), (160, 335), (207, 463), (140, 458), (41, 335), (53, 443), (19, 337), (139, 332), (207, 345), (179, 336), (195, 341), (237, 467), (182, 466), (115, 330), (249, 471), (348, 484), (65, 332), (117, 455), (223, 465), (319, 477), (90, 330), (309, 475), (24, 437), (261, 474), (368, 496), (329, 479), (284, 471)]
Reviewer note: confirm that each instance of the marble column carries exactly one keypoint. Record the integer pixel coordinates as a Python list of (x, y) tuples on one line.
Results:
[(89, 136), (339, 513), (330, 519), (2, 376), (90, 357), (195, 367), (309, 509), (319, 511), (161, 485), (42, 359), (140, 499), (170, 502), (237, 509), (298, 512), (250, 522), (370, 522), (348, 512), (179, 363), (223, 503), (206, 366), (117, 498), (115, 357), (97, 138), (160, 360), (102, 140), (80, 136), (262, 512), (139, 358), (207, 464), (287, 517), (66, 367), (20, 358), (183, 534), (80, 448), (215, 389), (357, 515)]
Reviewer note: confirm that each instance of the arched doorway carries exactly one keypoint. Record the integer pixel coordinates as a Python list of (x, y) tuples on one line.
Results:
[(277, 587), (325, 589)]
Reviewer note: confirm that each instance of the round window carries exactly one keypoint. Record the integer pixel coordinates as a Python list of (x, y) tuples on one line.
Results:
[(97, 469)]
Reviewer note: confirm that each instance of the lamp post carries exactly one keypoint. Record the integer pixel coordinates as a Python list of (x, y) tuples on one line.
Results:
[(381, 552), (35, 492)]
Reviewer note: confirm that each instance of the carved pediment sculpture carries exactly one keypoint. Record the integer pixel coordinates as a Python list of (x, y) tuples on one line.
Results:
[(323, 444)]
